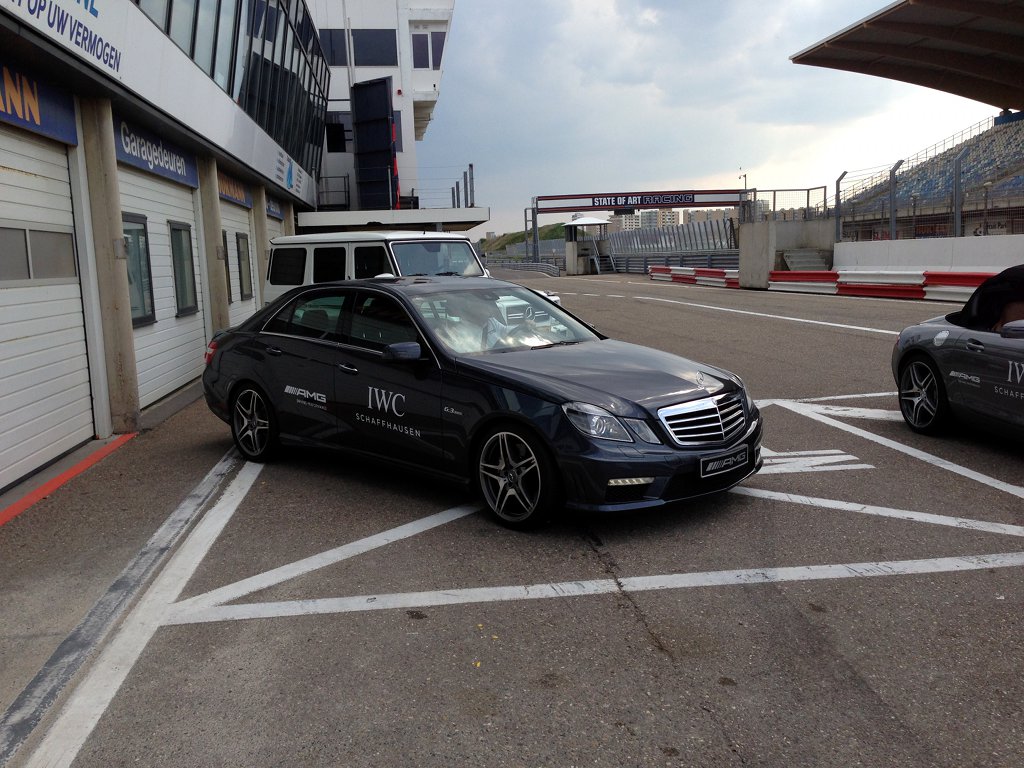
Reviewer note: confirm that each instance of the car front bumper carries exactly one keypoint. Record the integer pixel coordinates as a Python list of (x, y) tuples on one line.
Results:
[(607, 479)]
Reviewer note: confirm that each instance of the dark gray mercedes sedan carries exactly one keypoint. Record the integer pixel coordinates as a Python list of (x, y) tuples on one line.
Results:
[(969, 363), (485, 382)]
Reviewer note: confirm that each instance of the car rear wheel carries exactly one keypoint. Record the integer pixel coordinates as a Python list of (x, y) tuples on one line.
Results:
[(253, 424), (515, 477), (923, 401)]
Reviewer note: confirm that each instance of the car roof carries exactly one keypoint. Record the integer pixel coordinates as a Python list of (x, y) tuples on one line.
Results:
[(364, 236)]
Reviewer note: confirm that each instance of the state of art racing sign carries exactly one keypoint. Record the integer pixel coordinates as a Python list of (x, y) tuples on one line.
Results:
[(692, 198)]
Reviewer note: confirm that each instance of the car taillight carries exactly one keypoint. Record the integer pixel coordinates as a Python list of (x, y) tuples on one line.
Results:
[(211, 349)]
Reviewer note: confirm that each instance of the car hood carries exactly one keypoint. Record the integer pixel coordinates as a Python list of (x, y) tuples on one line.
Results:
[(615, 375)]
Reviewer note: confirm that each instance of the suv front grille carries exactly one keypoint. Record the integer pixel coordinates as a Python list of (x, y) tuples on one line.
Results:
[(708, 421)]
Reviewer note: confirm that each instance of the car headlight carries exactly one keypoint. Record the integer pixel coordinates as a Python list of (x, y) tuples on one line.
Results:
[(596, 422)]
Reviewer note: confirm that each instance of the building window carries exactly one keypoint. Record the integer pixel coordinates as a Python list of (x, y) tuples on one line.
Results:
[(227, 261), (339, 131), (157, 11), (375, 47), (13, 255), (427, 49), (140, 274), (184, 268), (335, 49), (183, 21), (244, 266), (36, 255)]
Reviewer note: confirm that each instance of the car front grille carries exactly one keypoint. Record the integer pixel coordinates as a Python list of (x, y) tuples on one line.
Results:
[(709, 421)]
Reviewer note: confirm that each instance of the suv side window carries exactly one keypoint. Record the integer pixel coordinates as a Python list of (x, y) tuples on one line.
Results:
[(371, 260), (288, 266), (328, 264)]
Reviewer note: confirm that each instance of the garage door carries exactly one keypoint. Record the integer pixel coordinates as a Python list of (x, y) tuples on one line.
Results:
[(170, 338), (241, 263), (45, 398)]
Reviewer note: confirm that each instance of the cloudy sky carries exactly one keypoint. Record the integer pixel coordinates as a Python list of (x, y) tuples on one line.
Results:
[(550, 97)]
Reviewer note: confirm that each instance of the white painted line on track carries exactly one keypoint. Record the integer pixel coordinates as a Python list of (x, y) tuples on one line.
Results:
[(300, 568), (408, 600), (768, 316), (813, 412), (846, 397), (35, 700), (91, 698), (962, 523)]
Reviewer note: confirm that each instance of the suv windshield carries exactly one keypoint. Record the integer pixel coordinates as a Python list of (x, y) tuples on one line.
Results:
[(433, 257), (475, 321)]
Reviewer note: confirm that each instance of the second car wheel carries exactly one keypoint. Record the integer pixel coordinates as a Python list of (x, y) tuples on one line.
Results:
[(515, 477), (922, 395), (253, 424)]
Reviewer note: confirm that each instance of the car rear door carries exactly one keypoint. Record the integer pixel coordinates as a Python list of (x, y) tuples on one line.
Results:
[(299, 346), (392, 407)]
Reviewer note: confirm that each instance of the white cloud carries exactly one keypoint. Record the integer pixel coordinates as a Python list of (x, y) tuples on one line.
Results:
[(564, 96)]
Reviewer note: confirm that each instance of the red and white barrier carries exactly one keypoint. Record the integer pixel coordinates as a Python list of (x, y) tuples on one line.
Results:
[(925, 284), (715, 278)]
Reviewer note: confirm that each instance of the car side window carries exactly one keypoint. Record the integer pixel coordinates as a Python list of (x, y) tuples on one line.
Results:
[(318, 317), (379, 320)]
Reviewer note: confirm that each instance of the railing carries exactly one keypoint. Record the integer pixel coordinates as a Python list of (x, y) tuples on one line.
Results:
[(547, 268), (786, 204), (640, 264)]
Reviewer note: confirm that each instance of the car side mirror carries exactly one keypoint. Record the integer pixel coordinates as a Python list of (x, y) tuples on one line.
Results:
[(402, 352), (1013, 330)]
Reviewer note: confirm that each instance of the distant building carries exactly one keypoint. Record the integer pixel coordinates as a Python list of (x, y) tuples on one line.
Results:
[(386, 62), (643, 219)]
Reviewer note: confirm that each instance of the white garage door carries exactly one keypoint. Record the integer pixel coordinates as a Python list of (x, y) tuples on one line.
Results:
[(170, 338), (241, 261), (275, 228), (45, 398)]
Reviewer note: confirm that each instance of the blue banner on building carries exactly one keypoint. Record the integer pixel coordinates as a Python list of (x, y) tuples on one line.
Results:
[(274, 209), (27, 102), (143, 149)]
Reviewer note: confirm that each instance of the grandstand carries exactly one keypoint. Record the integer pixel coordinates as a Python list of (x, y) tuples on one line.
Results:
[(990, 158)]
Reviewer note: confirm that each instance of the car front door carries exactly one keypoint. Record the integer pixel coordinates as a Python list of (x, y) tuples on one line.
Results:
[(392, 407), (994, 363)]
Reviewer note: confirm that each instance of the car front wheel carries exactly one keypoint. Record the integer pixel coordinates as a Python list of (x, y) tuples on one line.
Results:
[(252, 424), (515, 477), (923, 400)]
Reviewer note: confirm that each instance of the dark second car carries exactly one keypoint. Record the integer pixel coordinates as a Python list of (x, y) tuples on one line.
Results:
[(968, 363), (485, 382)]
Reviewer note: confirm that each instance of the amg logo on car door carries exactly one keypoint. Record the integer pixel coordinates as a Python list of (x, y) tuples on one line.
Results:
[(388, 402)]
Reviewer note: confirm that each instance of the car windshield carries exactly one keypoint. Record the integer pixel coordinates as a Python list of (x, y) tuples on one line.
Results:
[(434, 257), (481, 321)]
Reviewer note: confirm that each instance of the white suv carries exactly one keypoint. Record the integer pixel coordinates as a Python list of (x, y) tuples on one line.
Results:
[(305, 259)]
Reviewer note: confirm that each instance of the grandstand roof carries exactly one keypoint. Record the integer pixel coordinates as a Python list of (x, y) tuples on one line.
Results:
[(970, 48)]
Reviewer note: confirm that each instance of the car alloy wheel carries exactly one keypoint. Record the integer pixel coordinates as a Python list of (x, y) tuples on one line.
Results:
[(514, 479), (252, 424), (922, 396)]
